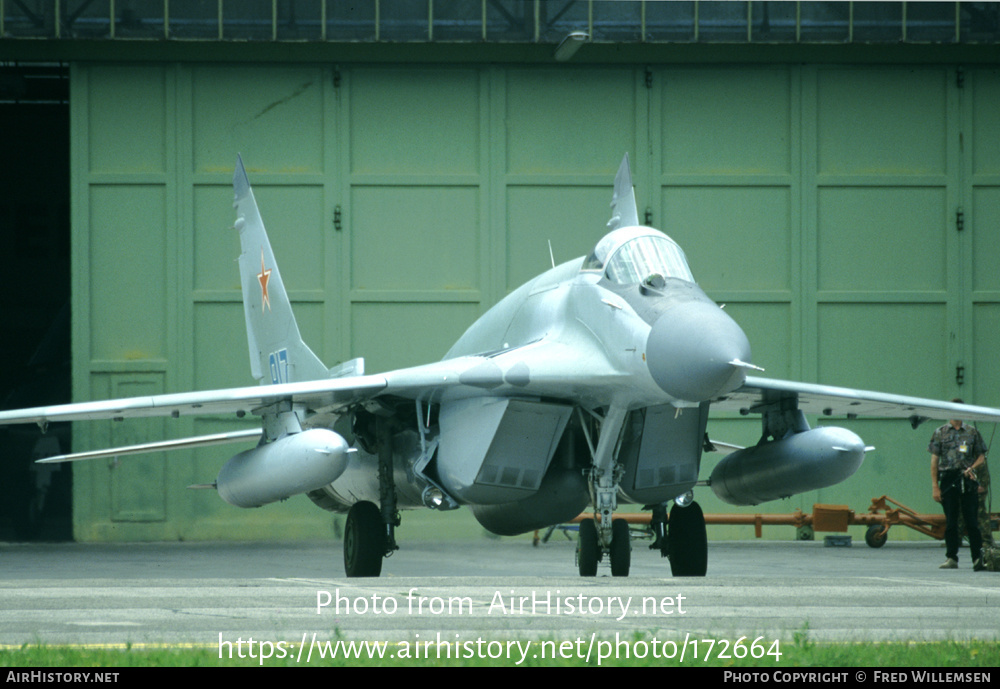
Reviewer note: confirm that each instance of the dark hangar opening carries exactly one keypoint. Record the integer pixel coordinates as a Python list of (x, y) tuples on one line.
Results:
[(35, 500)]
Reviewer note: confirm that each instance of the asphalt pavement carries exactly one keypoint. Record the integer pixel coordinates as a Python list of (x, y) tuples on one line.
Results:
[(486, 590)]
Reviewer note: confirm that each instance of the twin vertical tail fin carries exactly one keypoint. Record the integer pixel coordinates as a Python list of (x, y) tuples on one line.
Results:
[(277, 352), (624, 212)]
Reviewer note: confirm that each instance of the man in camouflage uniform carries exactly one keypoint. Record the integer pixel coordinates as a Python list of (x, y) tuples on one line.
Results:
[(957, 451)]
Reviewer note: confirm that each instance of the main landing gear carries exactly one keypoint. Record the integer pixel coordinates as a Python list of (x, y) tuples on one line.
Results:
[(683, 539), (687, 541), (370, 533), (364, 541)]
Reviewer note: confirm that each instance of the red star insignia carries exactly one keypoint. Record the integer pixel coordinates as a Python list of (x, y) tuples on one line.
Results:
[(263, 276)]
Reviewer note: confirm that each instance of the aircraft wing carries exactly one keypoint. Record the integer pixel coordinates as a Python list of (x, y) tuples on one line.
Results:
[(825, 400), (322, 394), (458, 377)]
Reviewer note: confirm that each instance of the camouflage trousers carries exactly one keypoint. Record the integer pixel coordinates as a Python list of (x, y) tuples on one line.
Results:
[(983, 513), (991, 557)]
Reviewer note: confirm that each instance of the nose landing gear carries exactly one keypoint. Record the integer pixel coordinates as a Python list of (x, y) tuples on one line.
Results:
[(590, 550)]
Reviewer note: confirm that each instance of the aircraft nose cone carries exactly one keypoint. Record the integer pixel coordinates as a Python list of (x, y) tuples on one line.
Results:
[(690, 350)]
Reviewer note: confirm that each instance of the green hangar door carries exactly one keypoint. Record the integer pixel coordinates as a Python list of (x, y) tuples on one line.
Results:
[(847, 216)]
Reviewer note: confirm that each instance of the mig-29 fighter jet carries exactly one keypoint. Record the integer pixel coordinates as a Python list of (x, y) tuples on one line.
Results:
[(589, 385)]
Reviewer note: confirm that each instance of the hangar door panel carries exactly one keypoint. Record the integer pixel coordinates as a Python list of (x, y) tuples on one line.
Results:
[(132, 138), (729, 192), (137, 487), (559, 136), (416, 210), (887, 260), (275, 116), (576, 122), (882, 121), (983, 211), (727, 122)]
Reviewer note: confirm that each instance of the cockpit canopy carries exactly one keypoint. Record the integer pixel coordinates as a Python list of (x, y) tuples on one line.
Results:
[(631, 254)]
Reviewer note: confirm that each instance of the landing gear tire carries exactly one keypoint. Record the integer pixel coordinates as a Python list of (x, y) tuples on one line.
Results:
[(364, 541), (687, 541), (874, 536), (588, 549), (621, 548)]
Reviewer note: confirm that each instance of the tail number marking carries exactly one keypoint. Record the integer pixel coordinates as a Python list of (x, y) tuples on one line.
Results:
[(279, 366)]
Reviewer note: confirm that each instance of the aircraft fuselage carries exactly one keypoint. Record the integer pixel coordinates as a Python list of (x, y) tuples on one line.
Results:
[(505, 437)]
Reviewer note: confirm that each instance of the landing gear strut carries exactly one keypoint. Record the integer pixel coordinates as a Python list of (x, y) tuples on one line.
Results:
[(370, 533), (604, 534), (658, 525)]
